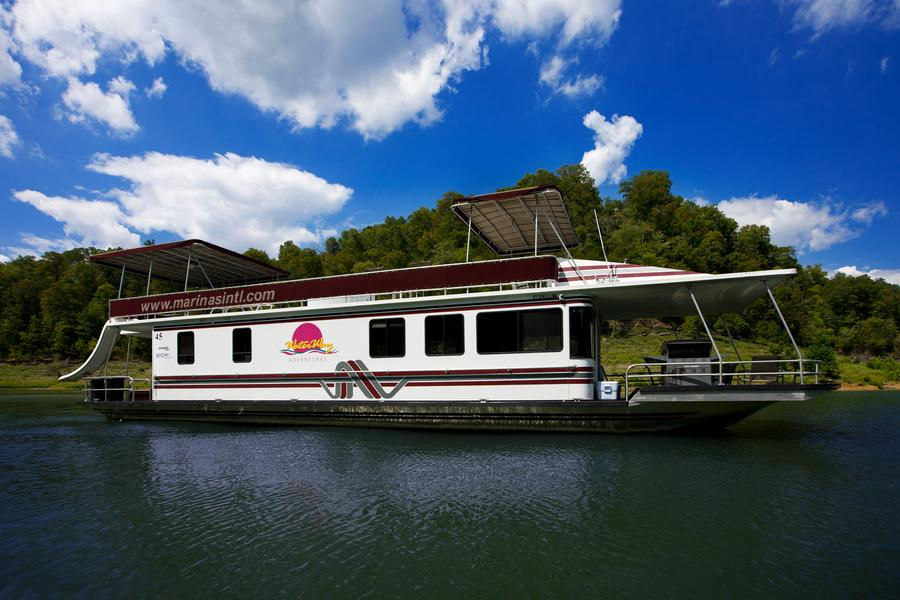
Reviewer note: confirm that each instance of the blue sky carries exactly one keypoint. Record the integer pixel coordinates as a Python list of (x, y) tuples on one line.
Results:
[(248, 125)]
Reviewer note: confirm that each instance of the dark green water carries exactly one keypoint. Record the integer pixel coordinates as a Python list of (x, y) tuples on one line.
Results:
[(798, 500)]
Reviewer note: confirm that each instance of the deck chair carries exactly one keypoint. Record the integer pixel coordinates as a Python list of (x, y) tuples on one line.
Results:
[(761, 364)]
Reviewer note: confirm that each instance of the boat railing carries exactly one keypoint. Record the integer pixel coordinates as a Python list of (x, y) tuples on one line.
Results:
[(714, 372), (115, 388)]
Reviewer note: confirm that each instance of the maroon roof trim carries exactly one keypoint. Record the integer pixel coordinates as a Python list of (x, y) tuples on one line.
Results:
[(505, 194), (99, 257), (379, 282), (231, 267)]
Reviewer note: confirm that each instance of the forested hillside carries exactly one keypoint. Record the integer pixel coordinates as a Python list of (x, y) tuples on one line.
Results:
[(55, 306)]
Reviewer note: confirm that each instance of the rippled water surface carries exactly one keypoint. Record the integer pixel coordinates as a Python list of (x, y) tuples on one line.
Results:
[(799, 499)]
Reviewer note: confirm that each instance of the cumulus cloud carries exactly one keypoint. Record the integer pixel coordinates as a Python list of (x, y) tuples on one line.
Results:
[(36, 245), (120, 86), (804, 225), (10, 70), (157, 89), (613, 141), (9, 139), (4, 258), (553, 76), (375, 65), (87, 102), (235, 200), (889, 275), (87, 222), (593, 19)]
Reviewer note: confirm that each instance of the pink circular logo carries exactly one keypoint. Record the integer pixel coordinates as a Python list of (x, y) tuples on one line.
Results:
[(308, 338)]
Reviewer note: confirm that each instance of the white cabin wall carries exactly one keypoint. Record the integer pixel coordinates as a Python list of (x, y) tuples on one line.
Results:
[(350, 339)]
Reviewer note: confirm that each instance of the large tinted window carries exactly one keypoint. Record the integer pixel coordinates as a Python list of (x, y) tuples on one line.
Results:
[(581, 329), (444, 335), (241, 345), (387, 338), (185, 347), (520, 331)]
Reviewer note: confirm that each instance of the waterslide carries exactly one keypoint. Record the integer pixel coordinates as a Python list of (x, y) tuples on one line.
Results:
[(99, 356)]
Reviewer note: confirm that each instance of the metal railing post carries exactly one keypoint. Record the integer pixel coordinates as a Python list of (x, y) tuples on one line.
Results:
[(708, 333), (786, 328)]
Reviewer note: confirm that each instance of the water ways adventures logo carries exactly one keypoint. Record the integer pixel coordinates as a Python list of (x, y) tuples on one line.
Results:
[(308, 339)]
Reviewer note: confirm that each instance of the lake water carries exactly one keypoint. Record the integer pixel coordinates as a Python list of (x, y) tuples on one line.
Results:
[(798, 500)]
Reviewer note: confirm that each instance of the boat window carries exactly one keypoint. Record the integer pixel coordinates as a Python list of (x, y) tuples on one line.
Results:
[(387, 338), (241, 345), (185, 347), (444, 335), (520, 331), (581, 332)]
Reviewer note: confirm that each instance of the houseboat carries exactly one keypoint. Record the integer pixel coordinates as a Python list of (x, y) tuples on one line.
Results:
[(505, 344)]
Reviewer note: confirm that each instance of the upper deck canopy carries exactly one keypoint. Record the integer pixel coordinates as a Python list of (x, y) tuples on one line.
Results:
[(203, 264), (508, 221)]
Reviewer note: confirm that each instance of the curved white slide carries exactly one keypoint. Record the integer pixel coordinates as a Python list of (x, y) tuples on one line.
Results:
[(98, 357)]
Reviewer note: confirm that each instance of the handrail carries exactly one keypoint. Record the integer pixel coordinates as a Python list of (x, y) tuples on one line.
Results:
[(628, 375), (128, 388)]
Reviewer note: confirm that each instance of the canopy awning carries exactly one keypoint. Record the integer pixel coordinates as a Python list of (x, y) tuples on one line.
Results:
[(509, 221), (203, 264), (716, 294)]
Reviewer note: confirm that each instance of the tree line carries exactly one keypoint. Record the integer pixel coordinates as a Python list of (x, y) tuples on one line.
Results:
[(55, 306)]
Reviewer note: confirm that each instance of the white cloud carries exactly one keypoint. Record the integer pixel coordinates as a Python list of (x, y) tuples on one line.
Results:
[(824, 15), (595, 19), (234, 200), (10, 70), (699, 201), (120, 86), (377, 65), (803, 225), (552, 75), (86, 101), (9, 139), (89, 222), (158, 88), (36, 245), (4, 258), (773, 57), (884, 64), (866, 214), (613, 140), (889, 275)]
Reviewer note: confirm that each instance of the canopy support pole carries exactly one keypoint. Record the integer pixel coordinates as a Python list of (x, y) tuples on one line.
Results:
[(149, 274), (708, 333), (199, 264), (535, 230), (600, 233), (731, 339), (121, 281), (569, 254), (187, 272), (786, 328), (469, 234)]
